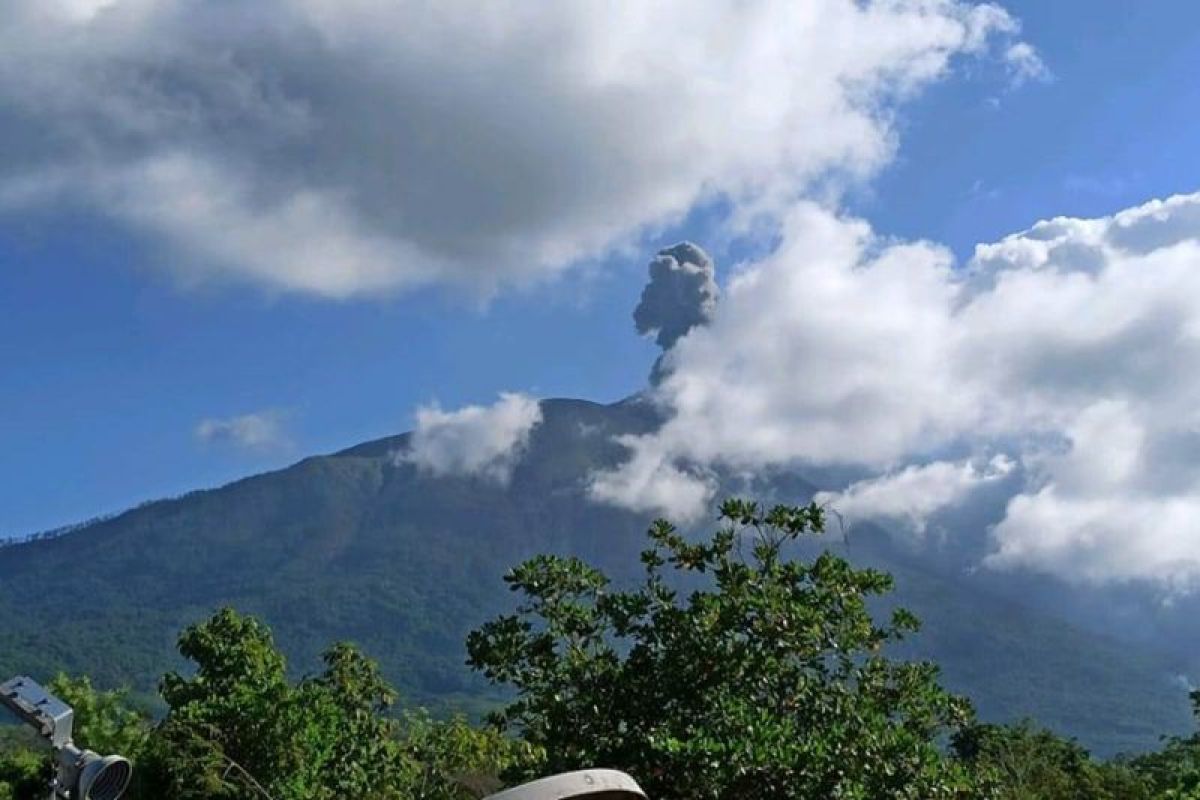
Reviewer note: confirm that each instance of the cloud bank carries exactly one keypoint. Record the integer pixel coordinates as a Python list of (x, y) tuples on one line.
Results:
[(910, 496), (484, 441), (1072, 349), (356, 147)]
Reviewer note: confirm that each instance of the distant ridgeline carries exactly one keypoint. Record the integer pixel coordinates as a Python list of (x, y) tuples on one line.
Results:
[(63, 530), (362, 546), (54, 533)]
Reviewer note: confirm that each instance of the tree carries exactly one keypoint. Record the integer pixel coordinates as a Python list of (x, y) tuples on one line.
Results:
[(24, 766), (454, 760), (767, 682), (238, 729), (105, 721), (1173, 773), (1026, 762)]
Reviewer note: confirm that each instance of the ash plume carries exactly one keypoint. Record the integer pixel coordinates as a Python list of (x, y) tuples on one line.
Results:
[(682, 293)]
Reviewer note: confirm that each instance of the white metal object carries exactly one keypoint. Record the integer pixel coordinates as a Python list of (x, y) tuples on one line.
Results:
[(592, 784), (79, 774), (52, 718), (84, 775)]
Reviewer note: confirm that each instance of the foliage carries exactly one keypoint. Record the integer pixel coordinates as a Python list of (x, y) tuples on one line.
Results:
[(1173, 773), (768, 679), (105, 721), (453, 759), (770, 683), (23, 766), (1026, 762), (239, 730)]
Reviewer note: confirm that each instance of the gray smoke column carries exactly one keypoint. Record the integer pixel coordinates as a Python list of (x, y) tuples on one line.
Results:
[(682, 293)]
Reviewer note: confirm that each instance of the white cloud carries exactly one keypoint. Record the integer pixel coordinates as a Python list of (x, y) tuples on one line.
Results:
[(261, 431), (1113, 505), (1073, 347), (832, 350), (1024, 64), (911, 495), (648, 482), (347, 148), (487, 441)]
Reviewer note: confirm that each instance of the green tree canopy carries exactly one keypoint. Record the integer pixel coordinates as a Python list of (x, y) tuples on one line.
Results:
[(1027, 762), (1173, 773), (237, 729), (768, 682)]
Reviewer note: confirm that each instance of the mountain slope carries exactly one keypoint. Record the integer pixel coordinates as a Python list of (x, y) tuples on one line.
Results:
[(358, 546)]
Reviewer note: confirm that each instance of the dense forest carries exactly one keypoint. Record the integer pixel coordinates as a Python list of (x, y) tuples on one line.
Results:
[(733, 668)]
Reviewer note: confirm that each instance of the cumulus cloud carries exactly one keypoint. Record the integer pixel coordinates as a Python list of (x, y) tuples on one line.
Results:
[(648, 482), (1072, 347), (485, 441), (262, 431), (910, 496), (348, 148), (1115, 504)]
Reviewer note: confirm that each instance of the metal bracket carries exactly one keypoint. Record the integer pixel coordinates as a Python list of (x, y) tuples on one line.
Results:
[(53, 718)]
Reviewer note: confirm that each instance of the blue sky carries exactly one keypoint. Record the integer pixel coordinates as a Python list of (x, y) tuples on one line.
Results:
[(108, 364)]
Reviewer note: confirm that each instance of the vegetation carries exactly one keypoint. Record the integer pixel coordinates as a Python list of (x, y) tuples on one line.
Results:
[(1026, 762), (357, 546), (733, 668), (23, 770), (1173, 773), (771, 683), (238, 729)]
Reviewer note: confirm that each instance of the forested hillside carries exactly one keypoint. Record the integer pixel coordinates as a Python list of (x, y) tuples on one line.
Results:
[(772, 677), (359, 546)]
